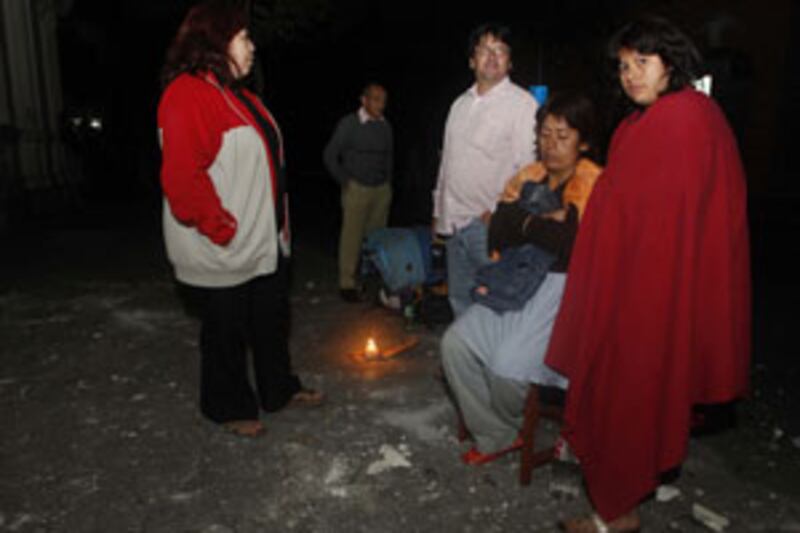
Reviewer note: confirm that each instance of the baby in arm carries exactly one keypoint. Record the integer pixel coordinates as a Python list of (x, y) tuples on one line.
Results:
[(514, 275)]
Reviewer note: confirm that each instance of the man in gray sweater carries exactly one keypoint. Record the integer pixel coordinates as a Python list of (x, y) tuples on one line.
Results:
[(359, 157)]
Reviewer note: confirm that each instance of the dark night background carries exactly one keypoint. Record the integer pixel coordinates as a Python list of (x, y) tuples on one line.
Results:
[(315, 55), (98, 388)]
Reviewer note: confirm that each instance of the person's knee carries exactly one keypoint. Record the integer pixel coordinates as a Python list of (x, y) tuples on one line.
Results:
[(452, 347)]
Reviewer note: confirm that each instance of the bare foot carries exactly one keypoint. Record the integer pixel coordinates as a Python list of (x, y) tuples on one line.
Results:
[(626, 523), (307, 398), (245, 428)]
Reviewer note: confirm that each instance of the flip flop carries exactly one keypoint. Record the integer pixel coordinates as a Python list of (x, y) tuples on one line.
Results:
[(475, 457)]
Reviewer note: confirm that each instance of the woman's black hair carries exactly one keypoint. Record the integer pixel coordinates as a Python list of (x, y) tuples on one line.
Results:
[(498, 31), (657, 35), (578, 111)]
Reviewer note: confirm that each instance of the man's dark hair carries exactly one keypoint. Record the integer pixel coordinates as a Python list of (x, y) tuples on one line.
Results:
[(657, 35), (371, 85), (495, 29), (579, 113)]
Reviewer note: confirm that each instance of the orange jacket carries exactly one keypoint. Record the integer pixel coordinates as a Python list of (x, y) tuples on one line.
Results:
[(578, 188)]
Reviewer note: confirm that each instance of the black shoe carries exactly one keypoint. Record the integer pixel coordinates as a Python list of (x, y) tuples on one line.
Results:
[(350, 295)]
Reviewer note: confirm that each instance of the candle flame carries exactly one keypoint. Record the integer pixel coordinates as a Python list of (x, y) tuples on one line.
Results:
[(371, 349)]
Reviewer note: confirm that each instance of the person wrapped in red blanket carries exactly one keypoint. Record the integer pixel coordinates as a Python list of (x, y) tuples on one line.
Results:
[(656, 312)]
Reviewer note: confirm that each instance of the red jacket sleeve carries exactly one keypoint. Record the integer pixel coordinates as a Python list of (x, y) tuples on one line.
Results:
[(189, 146)]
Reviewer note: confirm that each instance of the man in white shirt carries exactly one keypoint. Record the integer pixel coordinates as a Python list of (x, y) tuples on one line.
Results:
[(489, 135)]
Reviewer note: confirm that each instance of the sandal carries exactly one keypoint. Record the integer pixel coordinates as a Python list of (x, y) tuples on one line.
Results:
[(594, 524), (245, 428), (307, 398), (475, 457)]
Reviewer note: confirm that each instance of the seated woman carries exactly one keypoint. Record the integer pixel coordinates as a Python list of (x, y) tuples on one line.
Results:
[(490, 358)]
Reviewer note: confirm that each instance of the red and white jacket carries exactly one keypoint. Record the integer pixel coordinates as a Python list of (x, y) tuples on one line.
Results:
[(219, 180)]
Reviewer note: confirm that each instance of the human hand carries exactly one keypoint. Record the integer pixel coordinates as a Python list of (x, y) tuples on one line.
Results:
[(559, 215), (219, 229)]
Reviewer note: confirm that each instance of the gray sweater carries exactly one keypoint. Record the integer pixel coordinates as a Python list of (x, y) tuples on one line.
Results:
[(362, 152)]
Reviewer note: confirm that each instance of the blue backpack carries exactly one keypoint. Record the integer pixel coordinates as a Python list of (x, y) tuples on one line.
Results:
[(402, 257)]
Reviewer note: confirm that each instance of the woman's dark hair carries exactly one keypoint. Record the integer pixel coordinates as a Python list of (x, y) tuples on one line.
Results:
[(657, 35), (498, 31), (578, 111), (202, 41)]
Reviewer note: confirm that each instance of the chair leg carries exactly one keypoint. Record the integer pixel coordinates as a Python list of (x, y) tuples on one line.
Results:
[(531, 458), (528, 430)]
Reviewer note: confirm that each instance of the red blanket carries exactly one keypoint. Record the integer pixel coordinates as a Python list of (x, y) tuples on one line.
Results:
[(656, 312)]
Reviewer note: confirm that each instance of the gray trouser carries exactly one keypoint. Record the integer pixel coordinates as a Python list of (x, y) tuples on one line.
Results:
[(492, 406)]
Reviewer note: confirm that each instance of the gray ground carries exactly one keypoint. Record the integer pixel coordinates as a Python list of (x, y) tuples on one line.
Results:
[(101, 433)]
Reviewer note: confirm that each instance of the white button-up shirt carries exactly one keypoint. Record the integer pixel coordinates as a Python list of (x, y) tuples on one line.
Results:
[(364, 117), (487, 139)]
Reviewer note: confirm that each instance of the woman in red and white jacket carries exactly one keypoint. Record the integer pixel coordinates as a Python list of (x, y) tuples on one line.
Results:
[(226, 220)]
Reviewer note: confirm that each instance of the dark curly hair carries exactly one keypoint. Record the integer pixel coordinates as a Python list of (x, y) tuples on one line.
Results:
[(579, 113), (657, 35), (201, 43)]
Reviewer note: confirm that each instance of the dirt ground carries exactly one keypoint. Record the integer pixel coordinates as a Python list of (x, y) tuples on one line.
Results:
[(101, 432)]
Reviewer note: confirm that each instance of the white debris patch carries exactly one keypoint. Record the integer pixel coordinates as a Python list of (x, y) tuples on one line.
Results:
[(666, 493), (711, 519), (391, 458), (337, 472), (421, 422)]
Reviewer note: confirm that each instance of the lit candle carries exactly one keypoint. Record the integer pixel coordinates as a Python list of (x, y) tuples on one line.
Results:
[(371, 349)]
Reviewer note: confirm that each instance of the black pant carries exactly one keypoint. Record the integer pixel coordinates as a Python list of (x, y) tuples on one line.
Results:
[(255, 315)]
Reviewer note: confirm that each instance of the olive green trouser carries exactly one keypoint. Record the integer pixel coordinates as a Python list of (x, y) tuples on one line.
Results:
[(363, 210)]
